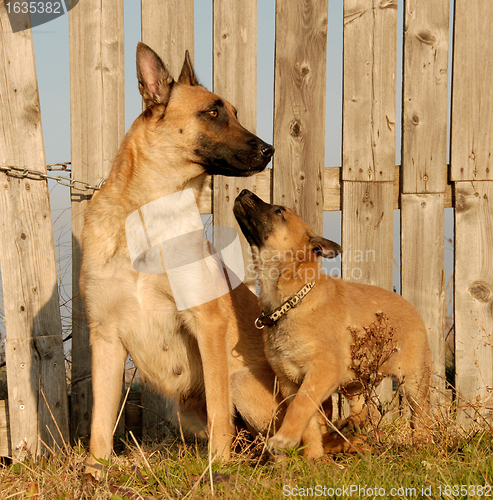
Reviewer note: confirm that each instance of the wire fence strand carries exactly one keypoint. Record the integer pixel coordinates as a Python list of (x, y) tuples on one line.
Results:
[(25, 173)]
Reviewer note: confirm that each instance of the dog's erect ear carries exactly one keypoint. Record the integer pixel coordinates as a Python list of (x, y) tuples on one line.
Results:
[(187, 74), (155, 82), (324, 247)]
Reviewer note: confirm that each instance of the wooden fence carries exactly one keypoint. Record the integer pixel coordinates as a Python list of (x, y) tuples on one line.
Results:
[(368, 187)]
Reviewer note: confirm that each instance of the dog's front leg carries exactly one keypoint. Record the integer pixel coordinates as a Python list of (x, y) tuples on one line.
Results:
[(108, 364), (312, 435), (301, 420), (211, 331)]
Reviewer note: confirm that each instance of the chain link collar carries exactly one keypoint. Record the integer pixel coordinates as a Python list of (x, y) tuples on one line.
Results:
[(292, 302)]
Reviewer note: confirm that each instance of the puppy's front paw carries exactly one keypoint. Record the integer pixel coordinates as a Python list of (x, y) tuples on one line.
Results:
[(279, 444), (313, 451), (352, 424)]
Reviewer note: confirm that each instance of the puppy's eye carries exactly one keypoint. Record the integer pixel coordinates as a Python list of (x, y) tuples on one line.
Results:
[(213, 113), (278, 211)]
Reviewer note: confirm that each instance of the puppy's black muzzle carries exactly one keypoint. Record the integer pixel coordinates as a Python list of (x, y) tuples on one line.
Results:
[(266, 150), (249, 211)]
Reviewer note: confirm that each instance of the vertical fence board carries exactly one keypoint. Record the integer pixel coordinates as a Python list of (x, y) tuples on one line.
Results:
[(367, 232), (5, 441), (472, 98), (473, 296), (33, 349), (370, 39), (424, 99), (97, 112), (422, 274), (370, 44), (168, 28), (299, 107), (368, 149), (424, 170), (235, 79), (369, 101), (471, 160)]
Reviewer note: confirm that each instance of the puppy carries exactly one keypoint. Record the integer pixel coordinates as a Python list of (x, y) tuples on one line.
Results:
[(309, 318)]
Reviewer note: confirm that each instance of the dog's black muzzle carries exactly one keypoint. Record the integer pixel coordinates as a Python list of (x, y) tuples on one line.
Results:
[(248, 210), (237, 159)]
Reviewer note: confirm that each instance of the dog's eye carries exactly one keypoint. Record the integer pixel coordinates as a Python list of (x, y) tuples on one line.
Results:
[(213, 113), (278, 211)]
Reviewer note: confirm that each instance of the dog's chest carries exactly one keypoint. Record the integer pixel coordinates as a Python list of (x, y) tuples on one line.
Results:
[(287, 355)]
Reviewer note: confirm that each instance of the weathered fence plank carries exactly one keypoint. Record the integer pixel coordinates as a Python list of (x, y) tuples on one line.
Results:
[(472, 98), (235, 79), (368, 149), (168, 28), (474, 297), (5, 441), (471, 160), (33, 348), (367, 223), (423, 275), (97, 113), (424, 171), (370, 64), (299, 108), (424, 100)]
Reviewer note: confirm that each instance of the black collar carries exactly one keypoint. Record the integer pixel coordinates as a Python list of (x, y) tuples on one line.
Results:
[(290, 303)]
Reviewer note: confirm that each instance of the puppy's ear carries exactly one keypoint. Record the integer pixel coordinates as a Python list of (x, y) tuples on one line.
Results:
[(155, 83), (324, 247), (187, 74)]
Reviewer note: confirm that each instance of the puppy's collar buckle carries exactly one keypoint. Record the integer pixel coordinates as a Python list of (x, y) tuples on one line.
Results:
[(292, 302)]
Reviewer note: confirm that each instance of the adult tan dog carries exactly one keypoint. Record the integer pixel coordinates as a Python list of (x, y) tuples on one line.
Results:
[(308, 344), (206, 357)]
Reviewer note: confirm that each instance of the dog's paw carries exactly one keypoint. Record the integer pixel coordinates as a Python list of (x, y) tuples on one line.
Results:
[(278, 445), (345, 426), (93, 472), (352, 424), (313, 452)]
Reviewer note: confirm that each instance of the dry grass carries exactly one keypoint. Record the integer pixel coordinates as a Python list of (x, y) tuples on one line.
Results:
[(174, 469)]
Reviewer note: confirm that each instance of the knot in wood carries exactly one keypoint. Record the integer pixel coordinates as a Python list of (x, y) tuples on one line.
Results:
[(295, 128), (480, 291), (427, 36), (304, 70)]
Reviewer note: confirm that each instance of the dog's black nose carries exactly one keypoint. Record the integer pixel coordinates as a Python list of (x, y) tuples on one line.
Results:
[(244, 192), (267, 150)]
